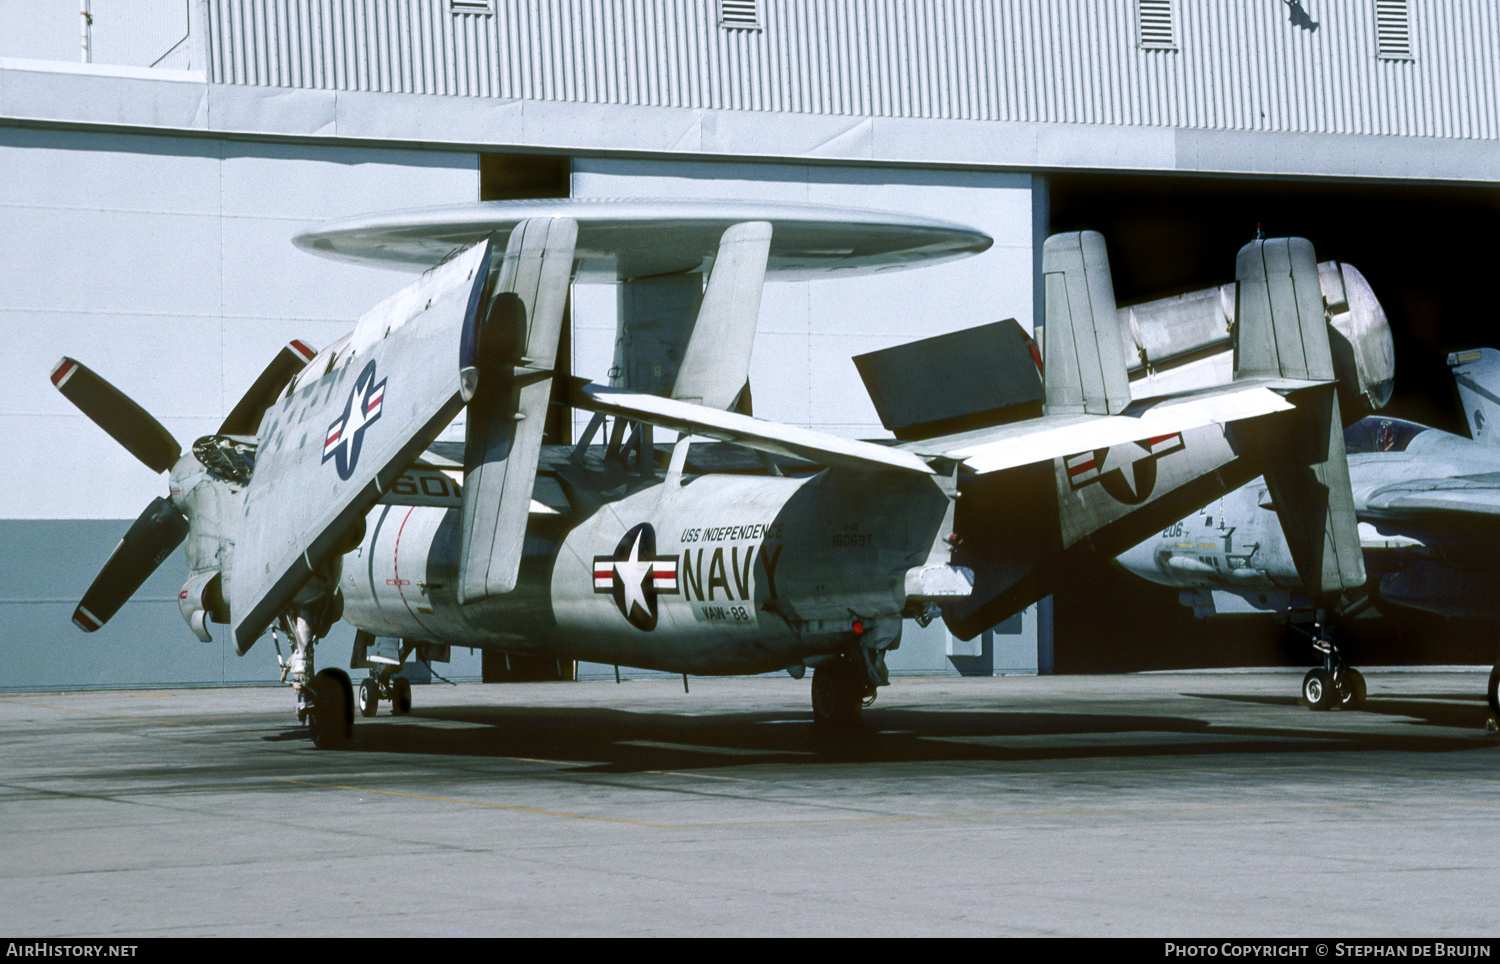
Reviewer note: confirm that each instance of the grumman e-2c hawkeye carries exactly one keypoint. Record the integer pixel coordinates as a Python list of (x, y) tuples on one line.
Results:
[(325, 495)]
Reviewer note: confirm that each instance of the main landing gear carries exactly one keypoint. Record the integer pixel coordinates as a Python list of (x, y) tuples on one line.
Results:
[(841, 689), (330, 716), (325, 700), (1335, 683), (394, 689)]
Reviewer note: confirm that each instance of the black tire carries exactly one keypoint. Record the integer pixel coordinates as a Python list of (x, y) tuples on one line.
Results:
[(1319, 689), (400, 696), (1352, 689), (369, 696), (331, 721), (1495, 690), (837, 694)]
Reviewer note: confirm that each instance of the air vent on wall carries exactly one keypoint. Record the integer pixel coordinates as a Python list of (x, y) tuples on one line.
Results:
[(739, 13), (470, 6), (1392, 30), (1156, 25)]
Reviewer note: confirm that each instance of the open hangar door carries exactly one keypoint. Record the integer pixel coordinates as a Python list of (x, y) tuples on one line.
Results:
[(1430, 252)]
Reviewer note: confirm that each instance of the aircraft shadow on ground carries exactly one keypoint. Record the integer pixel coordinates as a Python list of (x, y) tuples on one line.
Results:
[(612, 740), (1460, 710)]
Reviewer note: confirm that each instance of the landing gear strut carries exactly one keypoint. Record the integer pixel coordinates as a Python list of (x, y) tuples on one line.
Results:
[(1335, 683), (383, 686), (840, 690), (325, 700)]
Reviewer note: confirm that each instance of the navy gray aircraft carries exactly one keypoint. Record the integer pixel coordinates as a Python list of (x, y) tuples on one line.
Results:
[(326, 495), (1426, 502)]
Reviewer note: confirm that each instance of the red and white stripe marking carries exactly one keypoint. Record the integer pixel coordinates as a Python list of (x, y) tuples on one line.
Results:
[(86, 620), (1081, 468), (64, 371), (664, 576), (1159, 444)]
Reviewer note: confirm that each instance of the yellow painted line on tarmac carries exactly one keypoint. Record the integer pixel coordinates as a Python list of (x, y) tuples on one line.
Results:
[(474, 803)]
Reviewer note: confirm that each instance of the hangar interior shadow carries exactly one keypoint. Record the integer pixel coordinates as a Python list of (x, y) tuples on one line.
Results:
[(1429, 253)]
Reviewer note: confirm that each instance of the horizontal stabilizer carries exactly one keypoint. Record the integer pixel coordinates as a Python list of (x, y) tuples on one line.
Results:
[(752, 433), (1058, 436), (329, 450), (1281, 332)]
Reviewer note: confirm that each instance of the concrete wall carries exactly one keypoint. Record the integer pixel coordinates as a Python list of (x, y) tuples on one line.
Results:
[(165, 264)]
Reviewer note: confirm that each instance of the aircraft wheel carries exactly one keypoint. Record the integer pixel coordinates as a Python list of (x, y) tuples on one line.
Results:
[(837, 694), (400, 696), (332, 718), (1319, 689), (1495, 690), (1352, 689), (369, 696)]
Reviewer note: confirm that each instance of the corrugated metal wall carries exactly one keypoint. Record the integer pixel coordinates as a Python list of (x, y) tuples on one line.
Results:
[(1240, 64)]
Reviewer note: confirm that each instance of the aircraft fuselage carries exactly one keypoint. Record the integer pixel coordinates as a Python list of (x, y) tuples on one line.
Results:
[(716, 574)]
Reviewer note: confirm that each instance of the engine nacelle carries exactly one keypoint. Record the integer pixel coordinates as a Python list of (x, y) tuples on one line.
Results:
[(202, 599)]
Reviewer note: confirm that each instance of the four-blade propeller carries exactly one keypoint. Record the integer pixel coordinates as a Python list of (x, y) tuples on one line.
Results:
[(164, 524)]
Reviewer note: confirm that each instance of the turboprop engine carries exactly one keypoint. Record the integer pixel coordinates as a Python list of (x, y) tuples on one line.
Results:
[(206, 487)]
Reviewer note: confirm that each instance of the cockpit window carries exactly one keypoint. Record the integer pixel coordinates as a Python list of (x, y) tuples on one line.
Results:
[(1376, 434)]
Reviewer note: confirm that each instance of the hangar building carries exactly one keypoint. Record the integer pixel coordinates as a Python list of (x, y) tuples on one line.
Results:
[(158, 155)]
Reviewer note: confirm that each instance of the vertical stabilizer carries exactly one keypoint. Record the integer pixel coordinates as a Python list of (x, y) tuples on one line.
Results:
[(1477, 375), (515, 353), (1281, 333), (1085, 359), (716, 363)]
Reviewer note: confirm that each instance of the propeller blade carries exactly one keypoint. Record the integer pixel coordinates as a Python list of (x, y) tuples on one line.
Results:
[(247, 413), (149, 541), (112, 410)]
